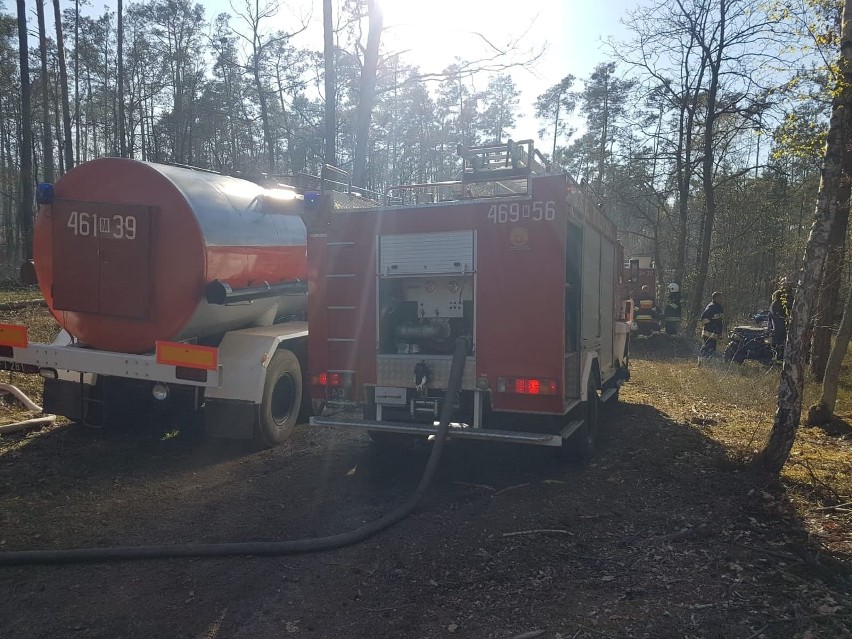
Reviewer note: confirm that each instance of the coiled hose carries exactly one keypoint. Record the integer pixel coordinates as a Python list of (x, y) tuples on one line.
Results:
[(265, 548)]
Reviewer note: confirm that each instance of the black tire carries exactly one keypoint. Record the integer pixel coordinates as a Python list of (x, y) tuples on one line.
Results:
[(580, 447), (279, 409), (735, 353), (612, 403)]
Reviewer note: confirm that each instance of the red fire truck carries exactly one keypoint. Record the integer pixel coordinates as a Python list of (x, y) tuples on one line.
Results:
[(517, 256), (640, 279)]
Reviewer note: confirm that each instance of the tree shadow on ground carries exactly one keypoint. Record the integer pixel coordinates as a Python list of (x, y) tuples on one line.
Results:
[(837, 427), (661, 535)]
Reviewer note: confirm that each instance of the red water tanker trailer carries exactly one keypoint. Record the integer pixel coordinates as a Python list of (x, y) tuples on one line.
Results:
[(176, 283), (518, 258)]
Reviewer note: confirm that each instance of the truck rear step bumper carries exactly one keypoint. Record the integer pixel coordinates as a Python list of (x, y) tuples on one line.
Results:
[(456, 431), (607, 394)]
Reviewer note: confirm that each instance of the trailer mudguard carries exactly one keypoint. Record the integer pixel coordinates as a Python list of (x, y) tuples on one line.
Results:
[(244, 356)]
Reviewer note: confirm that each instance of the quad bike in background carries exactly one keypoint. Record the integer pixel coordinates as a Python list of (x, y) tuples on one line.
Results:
[(750, 342), (761, 318)]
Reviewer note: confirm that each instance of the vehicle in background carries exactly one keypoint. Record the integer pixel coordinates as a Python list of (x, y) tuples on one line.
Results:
[(761, 318), (640, 278), (749, 342)]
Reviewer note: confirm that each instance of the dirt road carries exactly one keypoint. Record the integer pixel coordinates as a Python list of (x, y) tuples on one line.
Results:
[(660, 537)]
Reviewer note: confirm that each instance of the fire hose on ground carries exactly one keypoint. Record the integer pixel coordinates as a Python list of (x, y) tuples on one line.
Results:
[(266, 548), (29, 404)]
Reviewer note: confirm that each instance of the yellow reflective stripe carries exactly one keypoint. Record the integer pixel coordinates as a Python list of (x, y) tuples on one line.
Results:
[(13, 335), (188, 355)]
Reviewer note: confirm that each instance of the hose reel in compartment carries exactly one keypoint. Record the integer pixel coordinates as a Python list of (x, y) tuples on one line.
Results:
[(425, 289)]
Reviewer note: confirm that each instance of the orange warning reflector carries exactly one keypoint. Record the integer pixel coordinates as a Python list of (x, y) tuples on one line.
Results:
[(13, 335), (188, 355)]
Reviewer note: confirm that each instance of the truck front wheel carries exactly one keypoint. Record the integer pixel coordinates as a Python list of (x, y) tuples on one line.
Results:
[(282, 399)]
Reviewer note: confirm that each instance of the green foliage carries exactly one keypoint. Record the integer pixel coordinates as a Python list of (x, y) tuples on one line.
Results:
[(801, 136), (554, 107)]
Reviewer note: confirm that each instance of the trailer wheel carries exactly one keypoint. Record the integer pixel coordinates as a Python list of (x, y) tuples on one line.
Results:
[(580, 447), (279, 409)]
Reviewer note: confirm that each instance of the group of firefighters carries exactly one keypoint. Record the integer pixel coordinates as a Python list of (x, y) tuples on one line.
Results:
[(779, 317), (712, 319), (646, 308)]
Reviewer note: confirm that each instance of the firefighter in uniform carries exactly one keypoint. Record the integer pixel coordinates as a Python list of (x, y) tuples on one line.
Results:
[(673, 309), (779, 317), (646, 311), (712, 330)]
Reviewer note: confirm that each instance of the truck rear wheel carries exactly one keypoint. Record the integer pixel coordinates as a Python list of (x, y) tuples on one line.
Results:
[(580, 447), (282, 399)]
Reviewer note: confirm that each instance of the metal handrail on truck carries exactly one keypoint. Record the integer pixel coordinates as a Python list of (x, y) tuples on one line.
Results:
[(491, 170)]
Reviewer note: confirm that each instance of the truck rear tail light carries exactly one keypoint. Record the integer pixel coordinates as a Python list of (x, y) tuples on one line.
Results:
[(527, 385), (334, 378)]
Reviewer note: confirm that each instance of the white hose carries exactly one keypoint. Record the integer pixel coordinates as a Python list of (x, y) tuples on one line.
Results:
[(19, 395), (29, 423), (29, 405)]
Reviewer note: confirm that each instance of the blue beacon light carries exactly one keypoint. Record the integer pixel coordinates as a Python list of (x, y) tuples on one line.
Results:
[(44, 193)]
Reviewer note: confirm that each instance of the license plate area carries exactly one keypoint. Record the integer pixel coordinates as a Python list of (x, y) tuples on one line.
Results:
[(391, 396)]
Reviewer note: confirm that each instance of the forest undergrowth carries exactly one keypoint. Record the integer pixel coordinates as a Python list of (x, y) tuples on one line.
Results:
[(734, 405)]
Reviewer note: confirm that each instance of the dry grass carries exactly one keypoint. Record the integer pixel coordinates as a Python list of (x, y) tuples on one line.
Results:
[(42, 328), (735, 406)]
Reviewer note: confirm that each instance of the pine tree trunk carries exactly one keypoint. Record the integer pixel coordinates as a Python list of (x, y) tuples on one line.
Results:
[(63, 89), (330, 125), (47, 129), (708, 168), (25, 206), (367, 94), (77, 120), (122, 134)]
